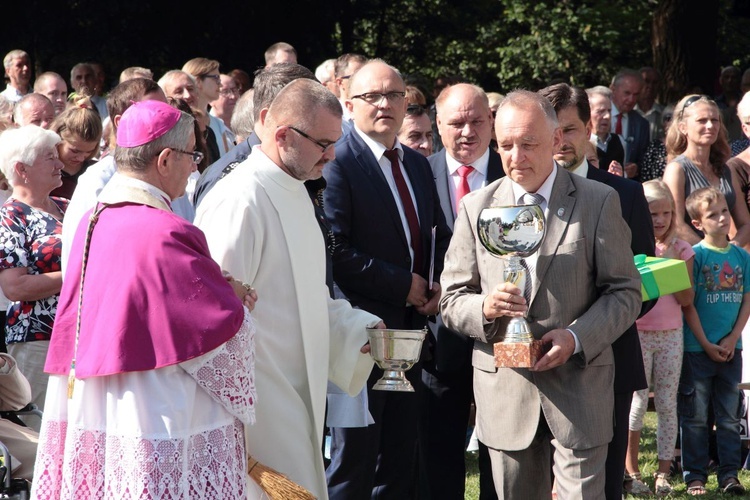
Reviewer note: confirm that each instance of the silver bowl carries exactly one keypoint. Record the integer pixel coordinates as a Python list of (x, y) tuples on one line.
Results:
[(395, 351)]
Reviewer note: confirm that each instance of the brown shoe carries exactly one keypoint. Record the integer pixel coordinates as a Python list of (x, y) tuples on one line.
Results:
[(732, 486)]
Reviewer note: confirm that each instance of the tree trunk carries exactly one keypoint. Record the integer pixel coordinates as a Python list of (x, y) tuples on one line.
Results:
[(683, 39)]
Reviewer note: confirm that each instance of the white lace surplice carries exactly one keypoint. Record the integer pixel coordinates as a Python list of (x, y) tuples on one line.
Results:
[(174, 432)]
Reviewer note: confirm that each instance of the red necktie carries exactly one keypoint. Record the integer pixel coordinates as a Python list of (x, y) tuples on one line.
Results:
[(618, 124), (463, 188), (409, 211)]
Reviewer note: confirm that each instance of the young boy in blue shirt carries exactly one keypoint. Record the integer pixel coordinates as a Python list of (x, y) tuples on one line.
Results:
[(712, 362)]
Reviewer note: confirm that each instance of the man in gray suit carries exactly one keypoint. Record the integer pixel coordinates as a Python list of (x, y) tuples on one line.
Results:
[(466, 163), (585, 292)]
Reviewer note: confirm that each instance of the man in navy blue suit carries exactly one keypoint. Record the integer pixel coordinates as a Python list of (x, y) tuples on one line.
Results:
[(466, 163), (628, 123), (573, 114), (382, 204)]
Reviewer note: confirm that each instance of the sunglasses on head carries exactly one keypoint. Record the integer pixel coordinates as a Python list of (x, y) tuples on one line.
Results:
[(693, 99)]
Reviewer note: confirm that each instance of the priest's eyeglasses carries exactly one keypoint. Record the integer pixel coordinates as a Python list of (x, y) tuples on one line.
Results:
[(197, 155), (322, 145)]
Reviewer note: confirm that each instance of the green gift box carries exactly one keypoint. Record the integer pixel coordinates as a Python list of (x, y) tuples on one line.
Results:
[(661, 276)]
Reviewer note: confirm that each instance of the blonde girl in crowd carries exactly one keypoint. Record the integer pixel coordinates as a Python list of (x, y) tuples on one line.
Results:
[(80, 128), (660, 333)]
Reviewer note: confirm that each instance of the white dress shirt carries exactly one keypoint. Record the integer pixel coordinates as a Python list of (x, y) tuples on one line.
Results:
[(378, 151), (546, 191), (477, 179)]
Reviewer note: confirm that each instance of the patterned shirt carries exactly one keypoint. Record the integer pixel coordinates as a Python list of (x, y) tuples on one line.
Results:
[(654, 161), (30, 238)]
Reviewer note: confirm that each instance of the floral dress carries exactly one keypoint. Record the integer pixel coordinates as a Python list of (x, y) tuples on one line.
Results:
[(30, 238)]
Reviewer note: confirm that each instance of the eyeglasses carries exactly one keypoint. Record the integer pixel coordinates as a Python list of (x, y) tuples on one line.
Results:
[(324, 147), (216, 78), (691, 100), (229, 92), (376, 97), (197, 155)]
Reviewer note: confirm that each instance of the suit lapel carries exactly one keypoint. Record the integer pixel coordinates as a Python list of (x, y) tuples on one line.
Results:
[(440, 172), (503, 195), (414, 177), (366, 161), (559, 208), (494, 168)]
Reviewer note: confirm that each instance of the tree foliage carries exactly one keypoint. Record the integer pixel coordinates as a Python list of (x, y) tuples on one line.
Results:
[(498, 44), (504, 44)]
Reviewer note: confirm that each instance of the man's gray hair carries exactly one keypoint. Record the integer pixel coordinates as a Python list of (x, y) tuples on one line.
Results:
[(243, 119), (13, 54), (523, 99), (140, 158), (626, 73), (599, 90)]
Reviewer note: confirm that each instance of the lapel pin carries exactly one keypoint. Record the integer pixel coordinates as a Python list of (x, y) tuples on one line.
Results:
[(560, 212)]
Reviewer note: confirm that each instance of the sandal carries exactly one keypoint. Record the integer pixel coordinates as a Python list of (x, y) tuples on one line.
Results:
[(696, 488), (635, 486), (732, 486), (661, 485)]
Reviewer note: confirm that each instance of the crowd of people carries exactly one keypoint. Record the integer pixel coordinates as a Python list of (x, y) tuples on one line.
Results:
[(189, 265)]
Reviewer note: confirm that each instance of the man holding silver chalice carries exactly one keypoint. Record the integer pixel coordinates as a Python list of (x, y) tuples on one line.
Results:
[(583, 291)]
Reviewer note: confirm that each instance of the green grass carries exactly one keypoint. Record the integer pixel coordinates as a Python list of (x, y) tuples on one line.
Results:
[(647, 461)]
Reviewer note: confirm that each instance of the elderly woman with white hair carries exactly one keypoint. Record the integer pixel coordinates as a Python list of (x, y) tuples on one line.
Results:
[(30, 228)]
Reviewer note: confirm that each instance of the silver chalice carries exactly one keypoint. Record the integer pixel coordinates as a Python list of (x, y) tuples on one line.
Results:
[(513, 232), (395, 351)]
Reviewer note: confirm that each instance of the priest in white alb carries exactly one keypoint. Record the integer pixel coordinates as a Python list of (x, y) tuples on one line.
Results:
[(260, 226), (151, 356)]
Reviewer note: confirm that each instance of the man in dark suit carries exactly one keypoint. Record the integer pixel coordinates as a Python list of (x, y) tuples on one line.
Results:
[(573, 113), (466, 163), (632, 128), (609, 148), (382, 204)]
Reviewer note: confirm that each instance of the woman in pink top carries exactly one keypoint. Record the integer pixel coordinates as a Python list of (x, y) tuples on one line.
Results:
[(660, 332)]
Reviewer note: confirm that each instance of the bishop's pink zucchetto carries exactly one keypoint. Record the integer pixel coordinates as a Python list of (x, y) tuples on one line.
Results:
[(145, 121)]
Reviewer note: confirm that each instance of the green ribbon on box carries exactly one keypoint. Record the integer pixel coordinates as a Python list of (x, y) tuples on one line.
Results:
[(647, 276)]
